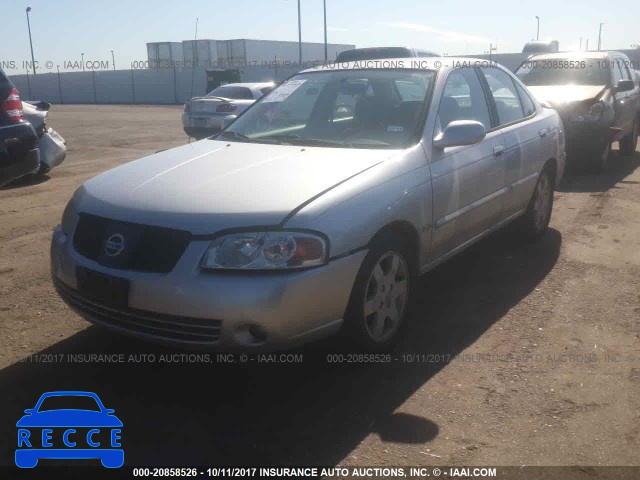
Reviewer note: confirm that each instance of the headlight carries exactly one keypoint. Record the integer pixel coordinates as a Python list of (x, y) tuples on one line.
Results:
[(68, 218), (591, 115), (70, 214), (275, 250)]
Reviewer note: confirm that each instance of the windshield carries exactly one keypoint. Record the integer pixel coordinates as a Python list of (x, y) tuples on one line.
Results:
[(355, 108), (69, 402), (563, 71), (234, 92)]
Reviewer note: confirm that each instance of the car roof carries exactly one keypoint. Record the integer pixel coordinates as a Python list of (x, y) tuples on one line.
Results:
[(575, 54), (71, 393), (404, 63)]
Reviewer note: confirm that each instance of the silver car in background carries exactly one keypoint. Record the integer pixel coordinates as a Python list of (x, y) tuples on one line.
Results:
[(203, 116), (53, 148), (315, 210)]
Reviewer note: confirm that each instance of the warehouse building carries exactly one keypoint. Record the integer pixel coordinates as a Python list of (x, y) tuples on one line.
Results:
[(237, 53)]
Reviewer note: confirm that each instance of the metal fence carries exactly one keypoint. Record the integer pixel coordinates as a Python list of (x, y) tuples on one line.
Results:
[(168, 86), (158, 86)]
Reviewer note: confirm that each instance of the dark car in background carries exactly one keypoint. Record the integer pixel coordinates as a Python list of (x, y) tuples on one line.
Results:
[(378, 53), (597, 96), (19, 154)]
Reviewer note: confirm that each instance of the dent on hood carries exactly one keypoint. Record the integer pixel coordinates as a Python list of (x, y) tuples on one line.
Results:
[(561, 96)]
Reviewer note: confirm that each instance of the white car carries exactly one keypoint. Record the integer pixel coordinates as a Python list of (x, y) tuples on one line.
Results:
[(203, 116)]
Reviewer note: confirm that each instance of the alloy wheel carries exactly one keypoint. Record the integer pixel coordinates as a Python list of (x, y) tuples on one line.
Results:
[(386, 296)]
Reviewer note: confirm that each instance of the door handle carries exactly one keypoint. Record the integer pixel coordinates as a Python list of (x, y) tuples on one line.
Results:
[(498, 151), (543, 133)]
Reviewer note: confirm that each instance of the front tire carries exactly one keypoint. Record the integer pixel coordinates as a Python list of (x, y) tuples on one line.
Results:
[(381, 295), (600, 160), (629, 143), (534, 223)]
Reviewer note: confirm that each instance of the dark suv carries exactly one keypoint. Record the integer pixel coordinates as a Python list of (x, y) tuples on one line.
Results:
[(597, 97), (380, 53), (18, 141)]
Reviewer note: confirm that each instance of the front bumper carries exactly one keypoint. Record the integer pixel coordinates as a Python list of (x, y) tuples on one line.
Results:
[(214, 309), (584, 139), (53, 149)]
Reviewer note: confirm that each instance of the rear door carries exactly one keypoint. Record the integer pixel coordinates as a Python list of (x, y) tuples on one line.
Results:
[(524, 133), (468, 181)]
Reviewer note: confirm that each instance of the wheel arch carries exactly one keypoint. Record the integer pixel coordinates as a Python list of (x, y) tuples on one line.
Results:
[(406, 231), (552, 165)]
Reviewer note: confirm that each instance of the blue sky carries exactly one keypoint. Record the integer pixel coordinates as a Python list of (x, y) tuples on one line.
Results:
[(63, 29)]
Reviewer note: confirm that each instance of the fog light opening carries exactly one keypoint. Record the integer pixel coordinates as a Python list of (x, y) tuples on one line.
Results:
[(258, 333), (250, 334)]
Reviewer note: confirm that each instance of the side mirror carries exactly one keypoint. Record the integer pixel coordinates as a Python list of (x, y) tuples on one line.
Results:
[(625, 86), (29, 411), (228, 120), (109, 411), (459, 133)]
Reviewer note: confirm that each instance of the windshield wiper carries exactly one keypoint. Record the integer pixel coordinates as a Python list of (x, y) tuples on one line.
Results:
[(297, 139), (236, 135)]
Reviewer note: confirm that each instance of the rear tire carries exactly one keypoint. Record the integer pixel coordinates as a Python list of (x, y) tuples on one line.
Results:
[(379, 304), (534, 223), (629, 143)]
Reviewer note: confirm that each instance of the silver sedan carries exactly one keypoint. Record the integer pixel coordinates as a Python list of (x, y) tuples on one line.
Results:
[(313, 212), (202, 116)]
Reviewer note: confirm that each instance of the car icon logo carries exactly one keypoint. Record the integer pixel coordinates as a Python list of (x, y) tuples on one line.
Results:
[(52, 430), (114, 245)]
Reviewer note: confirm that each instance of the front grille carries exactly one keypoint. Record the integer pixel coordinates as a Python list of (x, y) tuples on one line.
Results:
[(157, 325), (156, 249)]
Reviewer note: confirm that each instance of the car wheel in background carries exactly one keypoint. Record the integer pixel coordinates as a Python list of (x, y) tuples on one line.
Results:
[(534, 223), (629, 143), (381, 296)]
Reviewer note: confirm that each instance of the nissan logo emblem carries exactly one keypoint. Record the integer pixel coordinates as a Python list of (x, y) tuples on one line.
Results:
[(114, 245)]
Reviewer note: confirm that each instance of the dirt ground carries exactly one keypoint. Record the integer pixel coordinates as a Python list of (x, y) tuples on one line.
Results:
[(518, 354)]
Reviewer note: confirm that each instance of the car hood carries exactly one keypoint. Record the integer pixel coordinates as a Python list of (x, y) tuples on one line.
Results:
[(559, 96), (66, 418), (210, 185)]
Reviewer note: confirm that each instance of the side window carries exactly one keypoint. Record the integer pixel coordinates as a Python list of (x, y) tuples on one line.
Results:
[(504, 94), (527, 104), (463, 99), (410, 91), (617, 74), (626, 75)]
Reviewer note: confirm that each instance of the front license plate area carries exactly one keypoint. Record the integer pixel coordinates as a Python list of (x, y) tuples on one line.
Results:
[(105, 289)]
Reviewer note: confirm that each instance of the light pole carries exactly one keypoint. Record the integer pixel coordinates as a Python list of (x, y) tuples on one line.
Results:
[(325, 30), (299, 37), (82, 54), (60, 85), (600, 36), (33, 60), (538, 29), (113, 60)]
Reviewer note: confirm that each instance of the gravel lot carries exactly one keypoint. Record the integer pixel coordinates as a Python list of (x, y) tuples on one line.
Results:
[(539, 344)]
